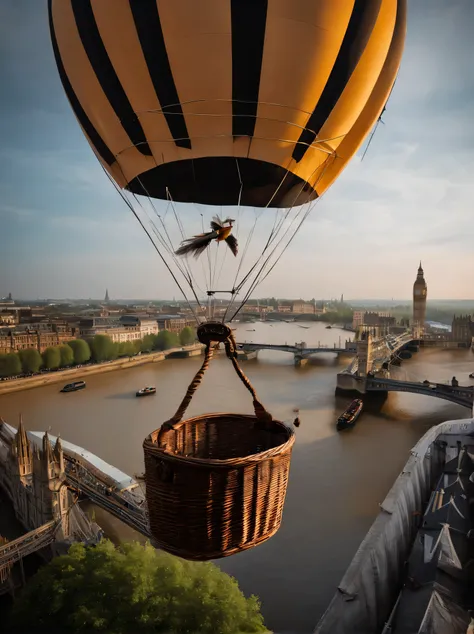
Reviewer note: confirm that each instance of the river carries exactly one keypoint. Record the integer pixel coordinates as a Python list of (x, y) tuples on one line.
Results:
[(337, 479)]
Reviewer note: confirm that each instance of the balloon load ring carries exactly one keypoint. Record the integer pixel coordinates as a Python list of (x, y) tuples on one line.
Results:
[(216, 483)]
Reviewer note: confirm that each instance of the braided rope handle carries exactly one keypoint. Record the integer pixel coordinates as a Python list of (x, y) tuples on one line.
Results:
[(193, 386), (231, 351)]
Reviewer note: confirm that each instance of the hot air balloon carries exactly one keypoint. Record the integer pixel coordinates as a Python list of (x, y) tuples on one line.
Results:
[(255, 104)]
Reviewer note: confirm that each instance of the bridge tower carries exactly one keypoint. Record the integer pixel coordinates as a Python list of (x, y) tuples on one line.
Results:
[(22, 472), (50, 489), (364, 353), (419, 304)]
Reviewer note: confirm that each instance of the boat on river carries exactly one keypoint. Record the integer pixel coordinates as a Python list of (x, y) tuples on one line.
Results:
[(349, 417), (471, 376), (146, 391), (73, 387)]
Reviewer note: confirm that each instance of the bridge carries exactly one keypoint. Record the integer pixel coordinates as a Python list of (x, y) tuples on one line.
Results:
[(13, 551), (112, 501), (382, 350), (300, 351), (456, 394)]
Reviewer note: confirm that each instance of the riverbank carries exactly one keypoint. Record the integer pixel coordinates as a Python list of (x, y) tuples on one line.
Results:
[(71, 374)]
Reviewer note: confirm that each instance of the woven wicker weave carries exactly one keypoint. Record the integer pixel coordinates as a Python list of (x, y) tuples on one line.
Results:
[(216, 484)]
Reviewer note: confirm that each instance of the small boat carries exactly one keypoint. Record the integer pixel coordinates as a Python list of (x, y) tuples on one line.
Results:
[(471, 376), (349, 417), (146, 391), (327, 327), (73, 387)]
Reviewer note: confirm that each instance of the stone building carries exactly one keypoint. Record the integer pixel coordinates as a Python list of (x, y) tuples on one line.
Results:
[(371, 318), (462, 329), (35, 481), (14, 339), (301, 307), (175, 324)]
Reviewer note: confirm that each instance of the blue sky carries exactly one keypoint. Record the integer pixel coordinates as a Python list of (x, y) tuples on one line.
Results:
[(66, 233)]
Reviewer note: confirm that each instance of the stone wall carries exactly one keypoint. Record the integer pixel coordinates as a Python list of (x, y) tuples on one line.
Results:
[(67, 376)]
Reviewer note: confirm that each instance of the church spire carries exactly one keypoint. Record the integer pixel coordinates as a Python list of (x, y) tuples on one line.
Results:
[(58, 454), (47, 452), (22, 443)]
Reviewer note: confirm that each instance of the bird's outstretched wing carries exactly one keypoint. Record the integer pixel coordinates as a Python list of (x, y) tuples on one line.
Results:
[(216, 223), (197, 244), (232, 243)]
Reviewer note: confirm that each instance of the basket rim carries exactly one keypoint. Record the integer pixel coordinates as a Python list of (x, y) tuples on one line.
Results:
[(225, 462)]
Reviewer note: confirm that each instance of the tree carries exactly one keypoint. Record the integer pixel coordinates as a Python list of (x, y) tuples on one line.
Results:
[(148, 343), (10, 365), (67, 355), (31, 360), (102, 348), (137, 346), (81, 350), (127, 349), (132, 588), (166, 340), (52, 358), (187, 336)]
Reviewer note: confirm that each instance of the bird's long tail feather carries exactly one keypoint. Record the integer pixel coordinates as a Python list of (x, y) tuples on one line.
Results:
[(197, 244)]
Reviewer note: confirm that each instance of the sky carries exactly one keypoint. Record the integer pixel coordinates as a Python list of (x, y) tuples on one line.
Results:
[(65, 232)]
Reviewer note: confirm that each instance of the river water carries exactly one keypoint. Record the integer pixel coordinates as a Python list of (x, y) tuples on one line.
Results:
[(337, 479)]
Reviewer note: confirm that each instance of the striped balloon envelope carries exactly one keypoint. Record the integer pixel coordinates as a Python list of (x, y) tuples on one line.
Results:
[(258, 102)]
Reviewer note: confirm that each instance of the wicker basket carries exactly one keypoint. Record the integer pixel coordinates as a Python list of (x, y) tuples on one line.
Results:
[(216, 484)]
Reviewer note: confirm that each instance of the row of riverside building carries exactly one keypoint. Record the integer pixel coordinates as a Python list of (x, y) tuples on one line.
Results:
[(54, 332)]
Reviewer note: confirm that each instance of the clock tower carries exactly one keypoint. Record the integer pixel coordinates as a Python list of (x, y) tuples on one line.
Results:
[(419, 304)]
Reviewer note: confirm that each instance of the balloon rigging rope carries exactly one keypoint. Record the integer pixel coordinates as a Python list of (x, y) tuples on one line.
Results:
[(186, 273), (259, 278), (247, 276), (130, 206), (189, 276), (183, 266)]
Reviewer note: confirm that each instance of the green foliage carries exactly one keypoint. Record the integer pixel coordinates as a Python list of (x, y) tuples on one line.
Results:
[(340, 316), (10, 365), (148, 343), (137, 346), (127, 349), (187, 336), (114, 352), (67, 355), (166, 340), (51, 358), (132, 589), (103, 348), (80, 349), (31, 360)]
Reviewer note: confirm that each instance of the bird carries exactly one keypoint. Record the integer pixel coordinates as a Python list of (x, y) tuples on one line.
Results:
[(221, 231)]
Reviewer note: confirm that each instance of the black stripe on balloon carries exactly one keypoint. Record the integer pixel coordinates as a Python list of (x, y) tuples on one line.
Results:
[(361, 23), (85, 122), (148, 25), (248, 24), (106, 75)]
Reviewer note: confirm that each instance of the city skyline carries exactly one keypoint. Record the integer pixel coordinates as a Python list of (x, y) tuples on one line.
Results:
[(65, 232)]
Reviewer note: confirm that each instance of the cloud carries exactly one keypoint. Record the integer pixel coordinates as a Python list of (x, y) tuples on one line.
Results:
[(410, 198)]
